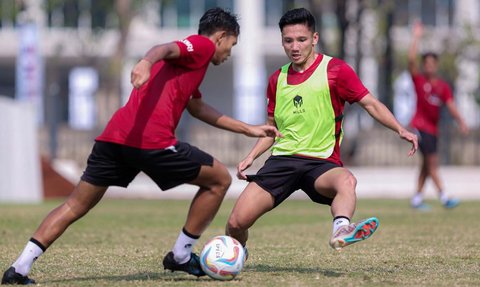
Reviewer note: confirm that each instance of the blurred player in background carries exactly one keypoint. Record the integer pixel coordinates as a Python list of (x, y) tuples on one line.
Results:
[(306, 100), (141, 137), (432, 93)]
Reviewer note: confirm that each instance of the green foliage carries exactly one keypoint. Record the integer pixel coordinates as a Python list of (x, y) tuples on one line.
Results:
[(9, 10), (122, 243)]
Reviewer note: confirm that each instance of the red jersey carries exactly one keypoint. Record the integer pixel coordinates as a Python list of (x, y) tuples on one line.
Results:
[(344, 85), (431, 95), (152, 113)]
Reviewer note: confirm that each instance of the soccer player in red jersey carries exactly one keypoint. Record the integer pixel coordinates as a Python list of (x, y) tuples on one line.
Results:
[(141, 137), (306, 100), (432, 93)]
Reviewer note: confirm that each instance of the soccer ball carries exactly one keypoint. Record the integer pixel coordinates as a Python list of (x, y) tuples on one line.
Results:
[(222, 257)]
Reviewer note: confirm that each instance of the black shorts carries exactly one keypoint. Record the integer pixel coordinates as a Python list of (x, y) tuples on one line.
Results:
[(427, 143), (115, 164), (283, 175)]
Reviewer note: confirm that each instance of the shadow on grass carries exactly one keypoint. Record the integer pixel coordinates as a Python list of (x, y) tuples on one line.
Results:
[(148, 276), (182, 277), (274, 269)]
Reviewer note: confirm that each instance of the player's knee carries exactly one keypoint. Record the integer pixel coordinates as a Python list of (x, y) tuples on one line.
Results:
[(222, 182), (235, 225), (350, 182)]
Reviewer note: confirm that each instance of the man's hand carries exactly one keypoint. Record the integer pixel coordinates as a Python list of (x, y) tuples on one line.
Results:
[(463, 128), (417, 29), (410, 137), (242, 166), (140, 73), (263, 131)]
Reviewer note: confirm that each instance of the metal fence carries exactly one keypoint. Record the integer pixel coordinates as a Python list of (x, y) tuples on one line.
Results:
[(377, 146)]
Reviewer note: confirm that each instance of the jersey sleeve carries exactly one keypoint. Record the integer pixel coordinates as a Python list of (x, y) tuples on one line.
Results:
[(447, 95), (349, 87), (195, 52), (196, 94), (416, 77), (271, 93)]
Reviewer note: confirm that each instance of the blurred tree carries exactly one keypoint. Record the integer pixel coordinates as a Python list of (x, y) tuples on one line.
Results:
[(361, 5), (316, 7), (342, 22), (387, 57), (9, 10), (124, 12)]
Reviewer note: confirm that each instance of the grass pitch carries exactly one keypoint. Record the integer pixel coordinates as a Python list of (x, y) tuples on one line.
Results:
[(122, 243)]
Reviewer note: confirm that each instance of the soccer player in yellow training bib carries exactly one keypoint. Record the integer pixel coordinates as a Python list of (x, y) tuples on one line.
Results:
[(306, 99)]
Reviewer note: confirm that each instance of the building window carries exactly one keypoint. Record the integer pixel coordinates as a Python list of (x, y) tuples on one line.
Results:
[(430, 12), (183, 13), (428, 8)]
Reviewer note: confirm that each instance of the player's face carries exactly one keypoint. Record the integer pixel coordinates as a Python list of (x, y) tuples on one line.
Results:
[(430, 66), (223, 49), (299, 44)]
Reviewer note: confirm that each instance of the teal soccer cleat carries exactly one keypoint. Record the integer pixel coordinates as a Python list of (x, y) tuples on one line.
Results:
[(353, 232)]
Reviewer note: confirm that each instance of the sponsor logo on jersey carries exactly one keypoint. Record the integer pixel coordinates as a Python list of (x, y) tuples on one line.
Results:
[(188, 44), (298, 103), (434, 100)]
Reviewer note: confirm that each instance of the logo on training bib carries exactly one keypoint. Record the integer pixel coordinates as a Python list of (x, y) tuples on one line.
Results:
[(298, 103), (188, 44)]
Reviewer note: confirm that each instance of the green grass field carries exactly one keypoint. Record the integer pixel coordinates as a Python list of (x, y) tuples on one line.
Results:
[(122, 243)]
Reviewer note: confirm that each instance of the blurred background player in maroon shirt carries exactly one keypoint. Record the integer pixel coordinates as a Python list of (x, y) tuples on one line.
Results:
[(432, 93)]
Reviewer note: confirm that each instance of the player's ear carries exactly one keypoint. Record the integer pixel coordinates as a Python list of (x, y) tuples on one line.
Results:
[(220, 36), (315, 38)]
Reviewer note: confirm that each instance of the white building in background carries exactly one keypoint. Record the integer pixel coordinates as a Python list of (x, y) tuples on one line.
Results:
[(79, 34), (69, 32)]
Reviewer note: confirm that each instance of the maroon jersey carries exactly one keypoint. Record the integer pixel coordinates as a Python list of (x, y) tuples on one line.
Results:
[(431, 95), (152, 113), (344, 85)]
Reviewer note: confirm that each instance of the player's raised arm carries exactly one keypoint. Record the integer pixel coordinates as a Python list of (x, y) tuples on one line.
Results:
[(417, 32), (141, 71), (383, 115)]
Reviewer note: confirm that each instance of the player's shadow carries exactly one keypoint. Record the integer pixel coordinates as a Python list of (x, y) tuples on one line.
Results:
[(145, 276), (182, 277), (276, 269)]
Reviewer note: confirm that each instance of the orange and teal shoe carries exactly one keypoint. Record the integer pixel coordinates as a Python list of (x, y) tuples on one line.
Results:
[(354, 232)]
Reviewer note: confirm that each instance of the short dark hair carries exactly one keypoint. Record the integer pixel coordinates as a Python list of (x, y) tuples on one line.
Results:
[(298, 16), (429, 54), (217, 19)]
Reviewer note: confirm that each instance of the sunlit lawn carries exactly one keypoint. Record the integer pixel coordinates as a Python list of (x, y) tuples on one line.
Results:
[(122, 243)]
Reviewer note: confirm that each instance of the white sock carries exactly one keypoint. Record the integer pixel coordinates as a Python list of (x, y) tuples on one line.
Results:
[(24, 262), (443, 197), (339, 222), (183, 247), (417, 199)]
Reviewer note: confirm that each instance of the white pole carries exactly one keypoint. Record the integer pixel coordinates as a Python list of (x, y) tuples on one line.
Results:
[(249, 65)]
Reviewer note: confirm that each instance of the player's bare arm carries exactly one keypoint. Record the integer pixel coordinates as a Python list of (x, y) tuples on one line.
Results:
[(417, 32), (261, 146), (141, 71), (206, 113), (452, 109), (383, 115)]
